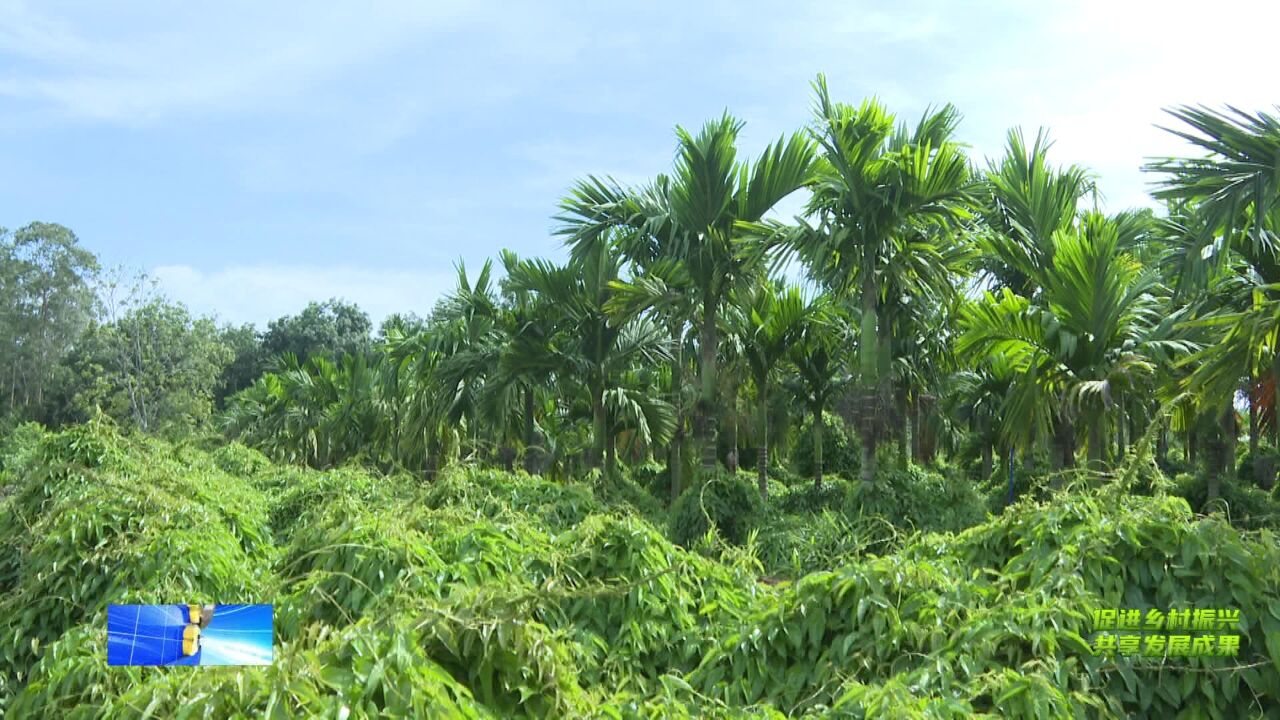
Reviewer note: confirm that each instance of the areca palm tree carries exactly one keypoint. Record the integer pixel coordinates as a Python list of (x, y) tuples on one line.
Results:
[(771, 321), (1239, 338), (397, 396), (1236, 185), (1027, 201), (663, 289), (818, 358), (525, 363), (1093, 333), (922, 287), (427, 424), (693, 216), (977, 396), (588, 344), (634, 411), (467, 331), (1227, 205), (875, 188), (319, 412)]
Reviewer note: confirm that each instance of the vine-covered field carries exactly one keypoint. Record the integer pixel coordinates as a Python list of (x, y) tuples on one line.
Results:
[(492, 594), (846, 407)]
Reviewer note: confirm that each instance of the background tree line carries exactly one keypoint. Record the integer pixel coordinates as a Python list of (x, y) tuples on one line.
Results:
[(76, 339), (981, 310), (938, 307)]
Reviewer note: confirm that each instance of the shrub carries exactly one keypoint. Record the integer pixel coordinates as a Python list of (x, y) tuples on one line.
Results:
[(1243, 503), (239, 460), (299, 494), (1266, 453), (18, 448), (806, 498), (624, 495), (730, 503), (650, 606), (915, 498), (994, 620), (793, 544), (840, 454), (340, 564), (653, 477), (494, 595), (1030, 480), (490, 493), (93, 444), (376, 668)]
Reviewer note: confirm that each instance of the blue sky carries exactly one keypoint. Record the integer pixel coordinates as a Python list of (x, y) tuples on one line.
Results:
[(260, 155)]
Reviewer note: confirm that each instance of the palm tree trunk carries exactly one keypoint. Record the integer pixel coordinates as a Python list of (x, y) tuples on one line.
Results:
[(1122, 432), (610, 455), (707, 345), (868, 339), (917, 432), (530, 449), (729, 404), (1266, 476), (1260, 469), (1275, 401), (1064, 445), (1189, 447), (675, 462), (1064, 449), (987, 463), (904, 430), (1162, 447), (1131, 434), (599, 429), (1222, 454), (762, 452), (431, 463), (1097, 444), (818, 431), (928, 426)]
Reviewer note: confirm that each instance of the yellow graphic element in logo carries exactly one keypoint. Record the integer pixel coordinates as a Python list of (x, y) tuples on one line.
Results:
[(198, 616), (191, 640)]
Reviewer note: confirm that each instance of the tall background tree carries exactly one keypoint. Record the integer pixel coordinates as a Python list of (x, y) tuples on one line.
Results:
[(147, 362), (876, 188), (331, 328), (771, 320), (819, 368), (46, 300), (693, 216), (1226, 215)]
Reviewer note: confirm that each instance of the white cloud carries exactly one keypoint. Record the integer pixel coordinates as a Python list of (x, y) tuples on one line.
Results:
[(411, 129), (258, 294), (1098, 75), (146, 66)]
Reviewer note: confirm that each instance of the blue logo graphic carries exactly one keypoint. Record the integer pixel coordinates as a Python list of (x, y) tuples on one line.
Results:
[(189, 634)]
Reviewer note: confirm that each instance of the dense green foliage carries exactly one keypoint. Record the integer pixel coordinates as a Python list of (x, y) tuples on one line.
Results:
[(329, 328), (155, 366), (950, 310), (489, 594), (658, 480), (839, 448), (729, 503)]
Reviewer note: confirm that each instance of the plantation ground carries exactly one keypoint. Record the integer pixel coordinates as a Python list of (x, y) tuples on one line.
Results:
[(489, 594)]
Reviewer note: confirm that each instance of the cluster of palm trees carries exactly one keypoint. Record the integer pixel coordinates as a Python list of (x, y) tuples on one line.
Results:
[(938, 300)]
